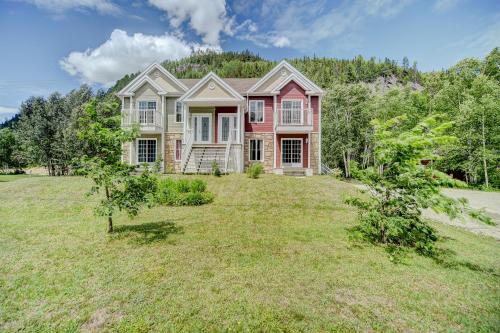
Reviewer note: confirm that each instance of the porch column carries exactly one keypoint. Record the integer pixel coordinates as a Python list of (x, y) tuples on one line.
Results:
[(275, 115), (309, 150), (164, 125), (184, 123)]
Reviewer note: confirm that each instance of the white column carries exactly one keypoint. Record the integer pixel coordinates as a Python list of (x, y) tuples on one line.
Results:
[(319, 135), (275, 115), (241, 122), (307, 111), (184, 124), (309, 150)]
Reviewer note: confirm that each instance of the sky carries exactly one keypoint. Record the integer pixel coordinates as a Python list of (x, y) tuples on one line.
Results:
[(56, 45)]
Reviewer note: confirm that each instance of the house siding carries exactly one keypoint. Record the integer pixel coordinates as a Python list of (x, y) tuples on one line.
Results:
[(267, 125), (305, 148)]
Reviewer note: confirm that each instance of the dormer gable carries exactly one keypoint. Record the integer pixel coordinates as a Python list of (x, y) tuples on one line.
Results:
[(159, 78), (211, 88), (279, 76)]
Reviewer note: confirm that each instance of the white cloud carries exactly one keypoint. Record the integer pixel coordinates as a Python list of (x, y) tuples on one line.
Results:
[(444, 5), (122, 54), (60, 6), (303, 24), (7, 113), (208, 18)]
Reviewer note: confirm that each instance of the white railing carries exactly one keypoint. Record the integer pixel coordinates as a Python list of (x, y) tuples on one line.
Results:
[(187, 149), (295, 117), (232, 133), (143, 117)]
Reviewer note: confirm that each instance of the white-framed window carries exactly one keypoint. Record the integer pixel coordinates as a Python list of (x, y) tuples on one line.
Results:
[(256, 111), (179, 112), (178, 150), (291, 111), (147, 111), (255, 151), (146, 150)]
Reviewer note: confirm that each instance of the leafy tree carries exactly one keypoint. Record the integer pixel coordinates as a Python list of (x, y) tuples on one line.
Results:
[(400, 187), (7, 144), (105, 137), (345, 124)]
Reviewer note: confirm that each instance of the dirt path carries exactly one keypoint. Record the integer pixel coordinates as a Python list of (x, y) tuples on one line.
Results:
[(488, 201)]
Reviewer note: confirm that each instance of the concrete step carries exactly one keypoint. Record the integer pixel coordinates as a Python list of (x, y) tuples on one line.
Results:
[(297, 172)]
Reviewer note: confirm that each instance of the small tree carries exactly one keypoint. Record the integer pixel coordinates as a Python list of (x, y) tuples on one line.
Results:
[(400, 188), (104, 138)]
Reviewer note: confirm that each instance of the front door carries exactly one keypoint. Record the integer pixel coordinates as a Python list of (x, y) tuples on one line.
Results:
[(228, 124), (202, 128), (291, 153)]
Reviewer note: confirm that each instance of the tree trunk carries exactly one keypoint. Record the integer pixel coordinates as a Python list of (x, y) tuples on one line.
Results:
[(110, 216), (484, 152)]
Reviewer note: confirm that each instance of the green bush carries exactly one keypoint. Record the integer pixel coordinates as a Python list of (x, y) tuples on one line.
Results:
[(254, 170), (183, 192), (215, 169)]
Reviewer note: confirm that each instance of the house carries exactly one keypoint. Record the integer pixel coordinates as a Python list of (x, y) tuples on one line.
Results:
[(190, 123)]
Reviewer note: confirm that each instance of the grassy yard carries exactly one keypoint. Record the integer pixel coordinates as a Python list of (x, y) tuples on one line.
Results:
[(271, 254)]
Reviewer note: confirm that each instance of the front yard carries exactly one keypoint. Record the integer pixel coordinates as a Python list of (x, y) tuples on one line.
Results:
[(271, 254)]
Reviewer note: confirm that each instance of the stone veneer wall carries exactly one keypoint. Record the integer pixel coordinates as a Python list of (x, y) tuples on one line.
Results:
[(268, 148), (169, 152), (314, 145), (126, 152)]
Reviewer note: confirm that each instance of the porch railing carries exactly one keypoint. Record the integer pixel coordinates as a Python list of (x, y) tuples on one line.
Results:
[(143, 117), (232, 134), (294, 117), (188, 146)]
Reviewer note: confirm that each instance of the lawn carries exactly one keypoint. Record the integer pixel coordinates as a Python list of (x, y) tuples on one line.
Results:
[(270, 255)]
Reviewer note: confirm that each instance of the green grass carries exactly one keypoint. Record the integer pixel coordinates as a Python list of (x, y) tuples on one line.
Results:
[(270, 254)]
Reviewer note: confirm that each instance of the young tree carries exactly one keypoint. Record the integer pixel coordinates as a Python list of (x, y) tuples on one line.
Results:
[(401, 188), (7, 144), (102, 163)]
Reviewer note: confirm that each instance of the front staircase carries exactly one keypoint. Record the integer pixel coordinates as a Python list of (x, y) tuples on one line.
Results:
[(298, 172), (200, 159)]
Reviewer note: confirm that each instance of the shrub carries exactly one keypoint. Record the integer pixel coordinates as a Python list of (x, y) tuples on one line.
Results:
[(215, 169), (254, 170), (183, 192), (198, 185)]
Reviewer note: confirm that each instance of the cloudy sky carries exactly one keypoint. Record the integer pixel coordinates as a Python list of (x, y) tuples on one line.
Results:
[(50, 45)]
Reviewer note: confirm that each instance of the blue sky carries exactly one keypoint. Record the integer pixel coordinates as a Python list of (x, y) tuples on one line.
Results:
[(55, 45)]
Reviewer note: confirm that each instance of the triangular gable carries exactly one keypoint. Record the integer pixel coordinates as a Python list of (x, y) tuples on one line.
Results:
[(286, 67), (290, 78), (213, 82), (126, 91), (144, 80)]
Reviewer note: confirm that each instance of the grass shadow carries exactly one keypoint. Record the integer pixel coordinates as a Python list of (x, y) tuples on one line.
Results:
[(146, 233), (447, 258)]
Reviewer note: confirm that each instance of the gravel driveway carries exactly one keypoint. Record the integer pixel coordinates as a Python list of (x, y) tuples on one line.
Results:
[(489, 201)]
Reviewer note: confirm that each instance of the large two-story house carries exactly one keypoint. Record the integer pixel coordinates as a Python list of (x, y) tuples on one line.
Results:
[(190, 123)]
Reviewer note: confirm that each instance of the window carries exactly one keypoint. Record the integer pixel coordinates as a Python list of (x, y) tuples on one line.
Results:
[(291, 112), (256, 150), (147, 111), (179, 112), (256, 112), (178, 150), (146, 150)]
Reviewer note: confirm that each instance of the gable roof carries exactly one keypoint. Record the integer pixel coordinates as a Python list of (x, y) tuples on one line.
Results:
[(292, 77), (147, 79), (126, 91), (211, 76), (299, 78)]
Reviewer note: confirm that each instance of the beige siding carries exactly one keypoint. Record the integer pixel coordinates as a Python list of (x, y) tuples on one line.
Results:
[(126, 102), (217, 92), (147, 92), (172, 126), (170, 163), (274, 80), (163, 81), (142, 136)]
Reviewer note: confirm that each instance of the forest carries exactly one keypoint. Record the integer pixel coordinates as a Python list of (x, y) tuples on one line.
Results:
[(358, 91)]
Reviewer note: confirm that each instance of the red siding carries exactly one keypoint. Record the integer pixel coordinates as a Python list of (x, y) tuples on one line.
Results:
[(267, 125), (293, 91), (315, 107), (305, 147), (221, 109)]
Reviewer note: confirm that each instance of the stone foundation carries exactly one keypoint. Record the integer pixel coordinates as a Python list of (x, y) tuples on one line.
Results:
[(126, 152), (171, 165), (314, 147), (268, 149)]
